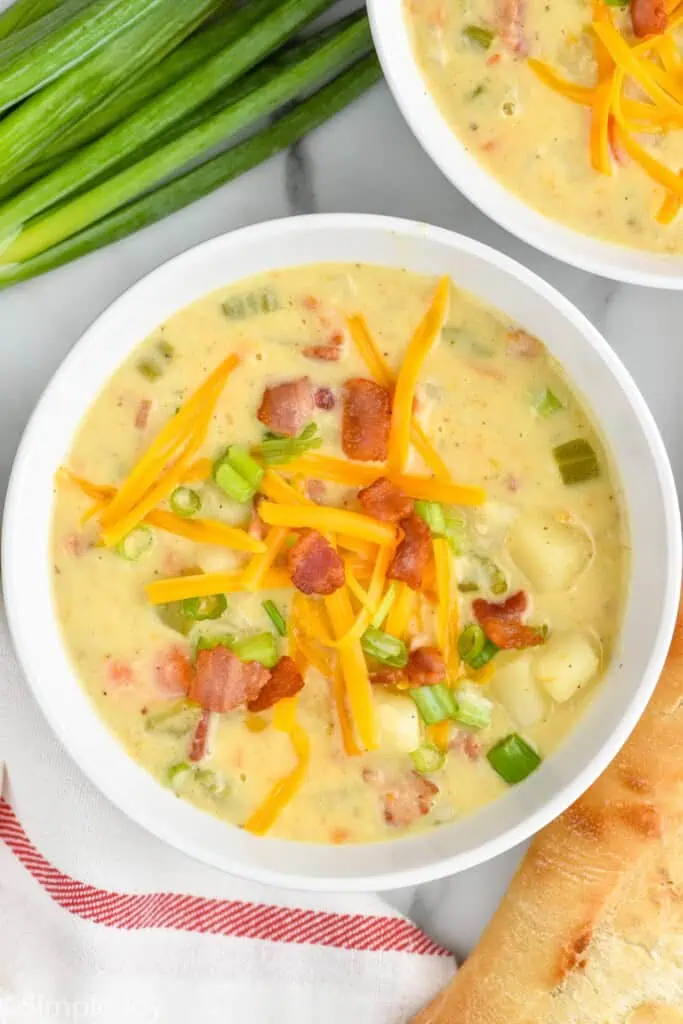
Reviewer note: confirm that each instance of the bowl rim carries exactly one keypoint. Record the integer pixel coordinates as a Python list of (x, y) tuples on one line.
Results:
[(22, 627), (421, 111)]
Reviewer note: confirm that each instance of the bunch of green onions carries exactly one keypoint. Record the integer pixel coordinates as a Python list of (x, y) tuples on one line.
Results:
[(104, 104)]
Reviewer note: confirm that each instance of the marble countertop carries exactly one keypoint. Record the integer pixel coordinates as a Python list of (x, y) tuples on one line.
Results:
[(366, 160)]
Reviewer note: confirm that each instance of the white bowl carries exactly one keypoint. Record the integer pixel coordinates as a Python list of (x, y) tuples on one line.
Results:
[(392, 41), (594, 370)]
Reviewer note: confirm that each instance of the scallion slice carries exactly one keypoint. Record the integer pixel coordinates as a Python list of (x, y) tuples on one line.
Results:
[(238, 307), (231, 483), (474, 709), (201, 608), (435, 703), (384, 647), (576, 461), (496, 580), (471, 642), (176, 719), (482, 37), (260, 647), (275, 616), (433, 515), (179, 773), (136, 543), (428, 759), (148, 369), (241, 461), (209, 641), (455, 531), (276, 450), (488, 651), (513, 759), (385, 606), (546, 403), (185, 502), (166, 350), (212, 782)]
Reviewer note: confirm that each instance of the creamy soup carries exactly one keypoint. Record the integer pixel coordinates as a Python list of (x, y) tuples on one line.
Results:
[(480, 61), (338, 554)]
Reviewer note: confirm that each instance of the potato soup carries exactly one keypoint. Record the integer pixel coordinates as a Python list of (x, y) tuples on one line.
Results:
[(566, 105), (339, 554)]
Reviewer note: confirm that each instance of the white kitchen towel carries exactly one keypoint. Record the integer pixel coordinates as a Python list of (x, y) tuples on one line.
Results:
[(100, 921)]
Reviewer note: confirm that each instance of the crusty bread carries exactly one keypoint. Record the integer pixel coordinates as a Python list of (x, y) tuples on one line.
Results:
[(591, 928)]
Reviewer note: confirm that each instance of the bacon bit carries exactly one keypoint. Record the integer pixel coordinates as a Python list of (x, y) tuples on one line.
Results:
[(502, 622), (327, 353), (413, 552), (649, 17), (489, 146), (409, 799), (288, 407), (142, 414), (310, 302), (200, 737), (314, 565), (512, 13), (426, 666), (119, 672), (467, 743), (366, 420), (339, 836), (316, 490), (387, 677), (257, 528), (522, 344), (324, 399), (495, 58), (512, 483), (77, 544), (384, 500), (173, 672), (285, 681), (618, 151), (222, 682)]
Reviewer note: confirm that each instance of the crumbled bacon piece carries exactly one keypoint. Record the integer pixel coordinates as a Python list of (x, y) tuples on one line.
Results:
[(173, 672), (327, 353), (383, 500), (316, 489), (287, 408), (387, 677), (648, 17), (503, 625), (413, 552), (200, 737), (425, 666), (285, 681), (408, 799), (222, 682), (142, 414), (76, 544), (512, 18), (366, 420), (257, 528), (324, 399), (468, 743), (119, 672), (314, 565), (521, 343)]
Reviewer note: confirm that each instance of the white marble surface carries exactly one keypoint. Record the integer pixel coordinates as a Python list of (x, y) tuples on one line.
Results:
[(366, 160)]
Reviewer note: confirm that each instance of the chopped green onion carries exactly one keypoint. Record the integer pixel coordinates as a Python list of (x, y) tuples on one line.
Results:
[(433, 515), (241, 461), (178, 773), (546, 403), (428, 759), (185, 502), (435, 703), (474, 709), (209, 641), (384, 647), (149, 369), (513, 759), (165, 349), (237, 307), (176, 719), (276, 450), (468, 587), (482, 37), (275, 616), (385, 606), (451, 334), (496, 579), (136, 543), (455, 531), (231, 483), (200, 608), (488, 651), (617, 3), (171, 615), (471, 642), (212, 782), (260, 647), (576, 461)]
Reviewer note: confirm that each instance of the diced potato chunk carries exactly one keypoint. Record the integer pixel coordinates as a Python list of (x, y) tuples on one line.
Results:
[(567, 662), (398, 722), (518, 691), (551, 554)]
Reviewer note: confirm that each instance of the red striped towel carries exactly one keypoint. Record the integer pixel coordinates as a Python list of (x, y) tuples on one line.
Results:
[(99, 921)]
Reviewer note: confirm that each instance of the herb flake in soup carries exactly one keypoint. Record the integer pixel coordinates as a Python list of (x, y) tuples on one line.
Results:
[(349, 563)]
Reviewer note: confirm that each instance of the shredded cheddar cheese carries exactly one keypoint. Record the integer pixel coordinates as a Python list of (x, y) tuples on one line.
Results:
[(354, 669), (349, 744), (254, 574), (206, 584), (401, 611), (327, 520)]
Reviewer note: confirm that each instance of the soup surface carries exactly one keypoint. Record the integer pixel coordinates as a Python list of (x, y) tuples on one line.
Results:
[(477, 57), (305, 652)]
